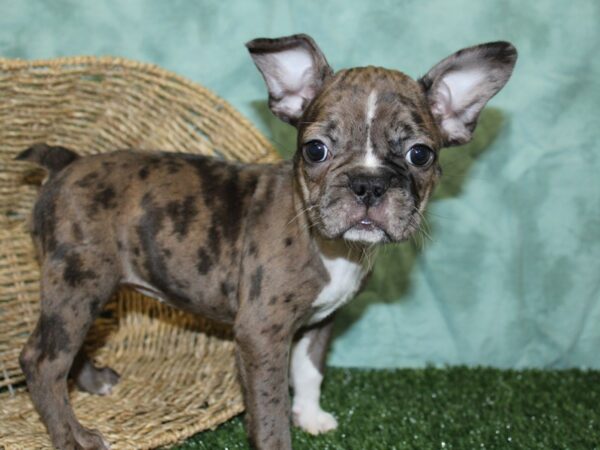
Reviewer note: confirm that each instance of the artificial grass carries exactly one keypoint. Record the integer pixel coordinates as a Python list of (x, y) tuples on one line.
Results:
[(454, 408)]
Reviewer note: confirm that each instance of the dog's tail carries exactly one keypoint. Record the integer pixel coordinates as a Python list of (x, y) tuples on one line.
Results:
[(52, 158)]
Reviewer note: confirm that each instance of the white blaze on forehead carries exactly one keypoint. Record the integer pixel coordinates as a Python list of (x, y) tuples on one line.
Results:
[(370, 159), (371, 105)]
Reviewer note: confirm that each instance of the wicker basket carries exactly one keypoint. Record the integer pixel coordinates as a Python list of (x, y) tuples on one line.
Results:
[(178, 371)]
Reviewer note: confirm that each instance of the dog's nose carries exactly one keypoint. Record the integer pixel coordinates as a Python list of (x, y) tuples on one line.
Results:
[(368, 188)]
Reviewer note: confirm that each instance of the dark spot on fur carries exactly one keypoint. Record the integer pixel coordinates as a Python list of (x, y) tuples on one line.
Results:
[(288, 241), (136, 251), (221, 184), (109, 165), (173, 164), (227, 288), (207, 173), (214, 240), (105, 197), (95, 307), (256, 283), (181, 214), (119, 245), (204, 261), (143, 173), (44, 213), (289, 298), (231, 217), (273, 300), (74, 274), (252, 249), (147, 229), (53, 336)]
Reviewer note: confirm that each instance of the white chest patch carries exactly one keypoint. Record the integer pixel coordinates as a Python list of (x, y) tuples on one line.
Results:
[(346, 276)]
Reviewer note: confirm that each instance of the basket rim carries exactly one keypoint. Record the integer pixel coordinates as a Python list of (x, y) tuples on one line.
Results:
[(82, 61), (12, 64)]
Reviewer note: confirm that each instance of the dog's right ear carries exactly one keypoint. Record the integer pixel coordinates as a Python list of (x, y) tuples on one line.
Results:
[(459, 86), (294, 69)]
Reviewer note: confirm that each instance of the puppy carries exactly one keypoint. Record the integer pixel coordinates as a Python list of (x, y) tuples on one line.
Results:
[(273, 250)]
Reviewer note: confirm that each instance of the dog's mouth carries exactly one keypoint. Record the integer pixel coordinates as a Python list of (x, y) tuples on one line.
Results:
[(366, 224), (370, 230), (395, 219), (367, 230)]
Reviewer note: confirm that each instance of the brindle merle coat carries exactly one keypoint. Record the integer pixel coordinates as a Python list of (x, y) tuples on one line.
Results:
[(263, 247)]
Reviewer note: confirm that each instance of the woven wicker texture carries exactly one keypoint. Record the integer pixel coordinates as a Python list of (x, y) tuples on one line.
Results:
[(178, 371)]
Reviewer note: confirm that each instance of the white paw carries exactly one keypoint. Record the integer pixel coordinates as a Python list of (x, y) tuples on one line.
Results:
[(313, 420), (105, 389)]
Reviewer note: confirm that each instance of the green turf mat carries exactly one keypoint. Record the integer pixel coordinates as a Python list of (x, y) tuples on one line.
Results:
[(455, 408)]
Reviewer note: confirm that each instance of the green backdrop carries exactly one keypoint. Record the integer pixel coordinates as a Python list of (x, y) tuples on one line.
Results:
[(511, 274)]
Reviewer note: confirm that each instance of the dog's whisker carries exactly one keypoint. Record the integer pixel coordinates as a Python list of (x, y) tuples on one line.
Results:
[(302, 212)]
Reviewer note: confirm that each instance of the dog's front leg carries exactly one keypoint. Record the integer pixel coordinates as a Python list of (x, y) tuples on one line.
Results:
[(263, 348), (307, 367)]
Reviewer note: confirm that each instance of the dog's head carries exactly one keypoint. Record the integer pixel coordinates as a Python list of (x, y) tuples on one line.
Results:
[(368, 137)]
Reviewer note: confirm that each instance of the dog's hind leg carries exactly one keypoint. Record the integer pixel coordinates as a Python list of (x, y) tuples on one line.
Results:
[(73, 292)]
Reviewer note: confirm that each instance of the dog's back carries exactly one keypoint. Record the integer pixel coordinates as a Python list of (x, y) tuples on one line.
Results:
[(154, 219)]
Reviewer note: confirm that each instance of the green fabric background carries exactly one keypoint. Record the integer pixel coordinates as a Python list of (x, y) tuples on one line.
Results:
[(511, 275)]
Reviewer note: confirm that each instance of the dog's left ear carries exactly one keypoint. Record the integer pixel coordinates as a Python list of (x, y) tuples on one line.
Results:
[(459, 86), (294, 69)]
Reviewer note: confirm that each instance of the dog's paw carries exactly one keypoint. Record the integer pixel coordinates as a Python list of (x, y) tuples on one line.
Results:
[(99, 381), (89, 439), (108, 379), (314, 420)]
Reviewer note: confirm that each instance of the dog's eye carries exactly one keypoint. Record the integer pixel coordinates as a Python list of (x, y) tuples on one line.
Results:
[(419, 155), (315, 151)]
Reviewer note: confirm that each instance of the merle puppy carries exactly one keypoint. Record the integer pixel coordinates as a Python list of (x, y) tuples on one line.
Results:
[(272, 249)]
